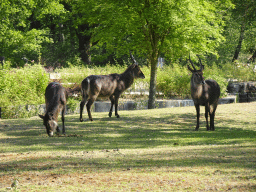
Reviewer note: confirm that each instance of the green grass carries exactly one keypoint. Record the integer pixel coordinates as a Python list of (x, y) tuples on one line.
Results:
[(147, 150)]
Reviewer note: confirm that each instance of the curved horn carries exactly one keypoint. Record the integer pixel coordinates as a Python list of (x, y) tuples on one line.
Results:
[(134, 61), (201, 65), (191, 62)]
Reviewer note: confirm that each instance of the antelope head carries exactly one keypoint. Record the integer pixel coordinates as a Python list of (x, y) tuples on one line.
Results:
[(197, 75)]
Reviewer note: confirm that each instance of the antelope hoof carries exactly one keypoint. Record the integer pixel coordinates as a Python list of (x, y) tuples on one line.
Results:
[(81, 120), (118, 116), (110, 114), (196, 129), (91, 119)]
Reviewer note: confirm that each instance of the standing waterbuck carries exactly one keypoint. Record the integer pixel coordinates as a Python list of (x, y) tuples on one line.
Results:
[(205, 93), (55, 99), (110, 86)]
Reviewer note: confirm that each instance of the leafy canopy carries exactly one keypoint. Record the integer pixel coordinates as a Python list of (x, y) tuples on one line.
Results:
[(153, 27)]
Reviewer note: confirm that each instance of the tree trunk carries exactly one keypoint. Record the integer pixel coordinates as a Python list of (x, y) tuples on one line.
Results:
[(239, 46), (152, 88), (61, 34), (84, 43), (252, 58)]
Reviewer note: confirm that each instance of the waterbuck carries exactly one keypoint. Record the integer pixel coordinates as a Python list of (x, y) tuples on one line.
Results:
[(205, 93), (55, 99), (110, 86)]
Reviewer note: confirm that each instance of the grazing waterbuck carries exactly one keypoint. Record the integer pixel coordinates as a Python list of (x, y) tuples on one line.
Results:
[(111, 86), (205, 93), (55, 99)]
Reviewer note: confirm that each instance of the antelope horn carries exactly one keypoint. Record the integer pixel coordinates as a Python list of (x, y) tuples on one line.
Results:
[(191, 62), (134, 61), (201, 65)]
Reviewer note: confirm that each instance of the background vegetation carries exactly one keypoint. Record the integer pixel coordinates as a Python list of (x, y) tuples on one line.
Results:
[(62, 32), (26, 86), (95, 37)]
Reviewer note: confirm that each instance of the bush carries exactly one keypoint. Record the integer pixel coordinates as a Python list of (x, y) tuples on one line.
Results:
[(21, 87), (173, 81), (239, 71)]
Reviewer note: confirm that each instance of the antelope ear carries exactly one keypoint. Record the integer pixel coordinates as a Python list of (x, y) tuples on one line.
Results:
[(41, 116)]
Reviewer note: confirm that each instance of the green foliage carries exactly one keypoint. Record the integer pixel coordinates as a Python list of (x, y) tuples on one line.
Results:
[(174, 81), (239, 71), (72, 104), (154, 27), (22, 86), (20, 32)]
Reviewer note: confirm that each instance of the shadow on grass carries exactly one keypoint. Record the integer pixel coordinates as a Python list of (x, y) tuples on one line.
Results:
[(145, 143), (127, 132), (226, 157), (148, 142)]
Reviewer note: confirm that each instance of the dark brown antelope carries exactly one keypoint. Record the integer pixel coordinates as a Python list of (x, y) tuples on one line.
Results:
[(110, 86), (205, 93), (55, 99)]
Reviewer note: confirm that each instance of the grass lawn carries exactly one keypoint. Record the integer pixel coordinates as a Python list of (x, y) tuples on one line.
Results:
[(146, 150)]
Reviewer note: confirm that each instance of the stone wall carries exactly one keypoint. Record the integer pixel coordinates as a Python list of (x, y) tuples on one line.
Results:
[(245, 91), (104, 106)]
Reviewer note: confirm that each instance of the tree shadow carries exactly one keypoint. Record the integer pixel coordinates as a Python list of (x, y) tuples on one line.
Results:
[(127, 132)]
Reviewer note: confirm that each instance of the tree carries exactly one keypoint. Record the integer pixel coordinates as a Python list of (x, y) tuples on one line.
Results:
[(153, 27), (22, 28), (244, 14), (80, 29)]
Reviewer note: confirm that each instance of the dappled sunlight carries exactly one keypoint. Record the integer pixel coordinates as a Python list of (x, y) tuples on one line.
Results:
[(135, 129), (160, 142), (174, 164)]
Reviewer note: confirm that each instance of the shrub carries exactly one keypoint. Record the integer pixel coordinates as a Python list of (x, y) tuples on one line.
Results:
[(173, 81), (21, 87), (239, 71)]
